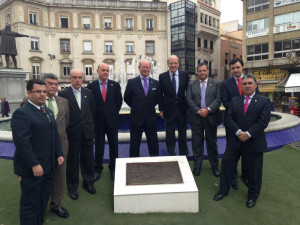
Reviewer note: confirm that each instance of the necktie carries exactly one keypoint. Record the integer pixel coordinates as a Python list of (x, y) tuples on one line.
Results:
[(50, 105), (145, 85), (174, 82), (203, 90), (246, 105), (103, 91), (239, 85), (78, 98), (45, 113)]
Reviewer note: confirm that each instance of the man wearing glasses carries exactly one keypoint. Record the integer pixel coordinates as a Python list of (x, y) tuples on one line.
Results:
[(80, 135), (37, 148)]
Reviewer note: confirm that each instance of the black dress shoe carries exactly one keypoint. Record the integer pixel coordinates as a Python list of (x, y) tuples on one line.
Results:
[(218, 197), (235, 184), (97, 176), (73, 195), (112, 175), (196, 171), (90, 188), (61, 212), (216, 172), (250, 203), (245, 180)]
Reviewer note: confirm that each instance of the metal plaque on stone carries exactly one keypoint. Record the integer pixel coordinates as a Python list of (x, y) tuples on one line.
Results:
[(148, 173)]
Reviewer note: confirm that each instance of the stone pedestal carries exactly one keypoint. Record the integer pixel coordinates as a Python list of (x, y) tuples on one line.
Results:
[(151, 198), (12, 86)]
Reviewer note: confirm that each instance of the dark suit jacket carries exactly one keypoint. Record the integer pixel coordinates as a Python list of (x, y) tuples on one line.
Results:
[(36, 140), (113, 102), (62, 121), (212, 99), (142, 107), (81, 120), (255, 121), (229, 89), (168, 96)]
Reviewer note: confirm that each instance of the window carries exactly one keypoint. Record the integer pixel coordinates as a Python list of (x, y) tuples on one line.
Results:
[(88, 70), (87, 46), (129, 24), (8, 19), (66, 69), (257, 5), (258, 24), (209, 21), (34, 44), (36, 74), (129, 47), (201, 17), (211, 45), (33, 18), (65, 45), (150, 47), (214, 22), (205, 44), (86, 22), (108, 47), (281, 48), (64, 22), (205, 19), (107, 23), (257, 52), (287, 18), (199, 43), (149, 24)]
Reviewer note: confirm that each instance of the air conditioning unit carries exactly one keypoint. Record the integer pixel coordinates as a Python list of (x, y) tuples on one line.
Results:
[(290, 55)]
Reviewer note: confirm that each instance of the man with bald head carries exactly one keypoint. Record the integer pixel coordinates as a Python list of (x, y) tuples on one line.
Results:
[(142, 95), (80, 135), (108, 102), (173, 107)]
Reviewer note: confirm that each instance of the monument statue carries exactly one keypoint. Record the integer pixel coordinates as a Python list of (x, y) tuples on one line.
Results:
[(8, 44)]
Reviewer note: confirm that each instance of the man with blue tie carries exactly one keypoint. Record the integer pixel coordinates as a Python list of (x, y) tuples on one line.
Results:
[(142, 95), (248, 116), (203, 98), (172, 106)]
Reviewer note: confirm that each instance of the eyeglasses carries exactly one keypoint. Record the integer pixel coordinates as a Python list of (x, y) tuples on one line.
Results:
[(40, 92), (75, 78)]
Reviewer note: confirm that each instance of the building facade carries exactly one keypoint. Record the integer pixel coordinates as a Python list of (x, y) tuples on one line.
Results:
[(271, 46)]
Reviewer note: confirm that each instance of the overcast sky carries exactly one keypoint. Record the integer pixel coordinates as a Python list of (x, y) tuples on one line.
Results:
[(231, 10)]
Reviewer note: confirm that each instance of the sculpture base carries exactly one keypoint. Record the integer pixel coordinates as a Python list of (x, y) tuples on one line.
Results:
[(171, 197)]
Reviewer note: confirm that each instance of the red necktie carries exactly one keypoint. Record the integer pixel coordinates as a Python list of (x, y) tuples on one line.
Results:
[(103, 91), (246, 105), (239, 85)]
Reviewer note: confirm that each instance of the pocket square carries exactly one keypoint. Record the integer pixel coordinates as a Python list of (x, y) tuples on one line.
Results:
[(153, 89)]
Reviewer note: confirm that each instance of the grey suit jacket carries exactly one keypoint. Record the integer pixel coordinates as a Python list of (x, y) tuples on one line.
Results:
[(212, 99), (62, 121)]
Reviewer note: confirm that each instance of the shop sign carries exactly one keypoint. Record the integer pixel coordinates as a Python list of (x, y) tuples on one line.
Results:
[(286, 28), (269, 74), (278, 3), (257, 33)]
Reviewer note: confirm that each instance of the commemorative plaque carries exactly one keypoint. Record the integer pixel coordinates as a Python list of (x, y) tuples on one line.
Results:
[(147, 173)]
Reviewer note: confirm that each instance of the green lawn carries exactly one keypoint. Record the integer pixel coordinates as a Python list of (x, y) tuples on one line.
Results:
[(279, 202)]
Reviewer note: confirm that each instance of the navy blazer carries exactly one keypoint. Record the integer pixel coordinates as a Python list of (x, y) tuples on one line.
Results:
[(81, 120), (109, 109), (255, 121), (142, 106), (168, 97), (36, 140)]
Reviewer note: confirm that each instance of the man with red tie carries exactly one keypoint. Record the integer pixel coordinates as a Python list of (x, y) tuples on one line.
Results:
[(247, 117), (108, 101)]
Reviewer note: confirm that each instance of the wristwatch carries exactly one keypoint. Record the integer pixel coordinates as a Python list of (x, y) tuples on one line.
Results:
[(209, 111)]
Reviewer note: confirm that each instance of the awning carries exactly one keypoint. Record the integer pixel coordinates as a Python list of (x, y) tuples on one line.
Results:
[(293, 83), (267, 85), (281, 85)]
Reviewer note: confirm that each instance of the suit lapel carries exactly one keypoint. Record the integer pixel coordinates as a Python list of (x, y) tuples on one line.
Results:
[(73, 99), (59, 106), (97, 90), (139, 85), (169, 82), (252, 104), (39, 113), (235, 87), (181, 81), (109, 90)]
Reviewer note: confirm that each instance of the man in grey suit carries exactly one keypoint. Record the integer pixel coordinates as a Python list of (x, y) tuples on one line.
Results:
[(203, 98), (60, 109)]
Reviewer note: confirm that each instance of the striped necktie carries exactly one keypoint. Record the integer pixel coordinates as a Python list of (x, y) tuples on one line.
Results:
[(45, 113)]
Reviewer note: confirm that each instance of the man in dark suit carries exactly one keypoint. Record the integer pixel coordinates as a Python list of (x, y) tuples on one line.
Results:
[(248, 115), (142, 95), (173, 108), (60, 108), (80, 135), (229, 89), (37, 149), (203, 98), (108, 101)]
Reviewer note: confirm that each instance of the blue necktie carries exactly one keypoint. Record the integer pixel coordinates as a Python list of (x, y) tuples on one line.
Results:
[(203, 90), (174, 82), (145, 85)]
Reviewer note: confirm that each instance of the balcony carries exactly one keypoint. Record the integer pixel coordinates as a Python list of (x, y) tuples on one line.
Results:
[(107, 27)]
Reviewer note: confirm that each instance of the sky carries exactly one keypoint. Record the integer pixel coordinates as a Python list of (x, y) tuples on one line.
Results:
[(231, 10)]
